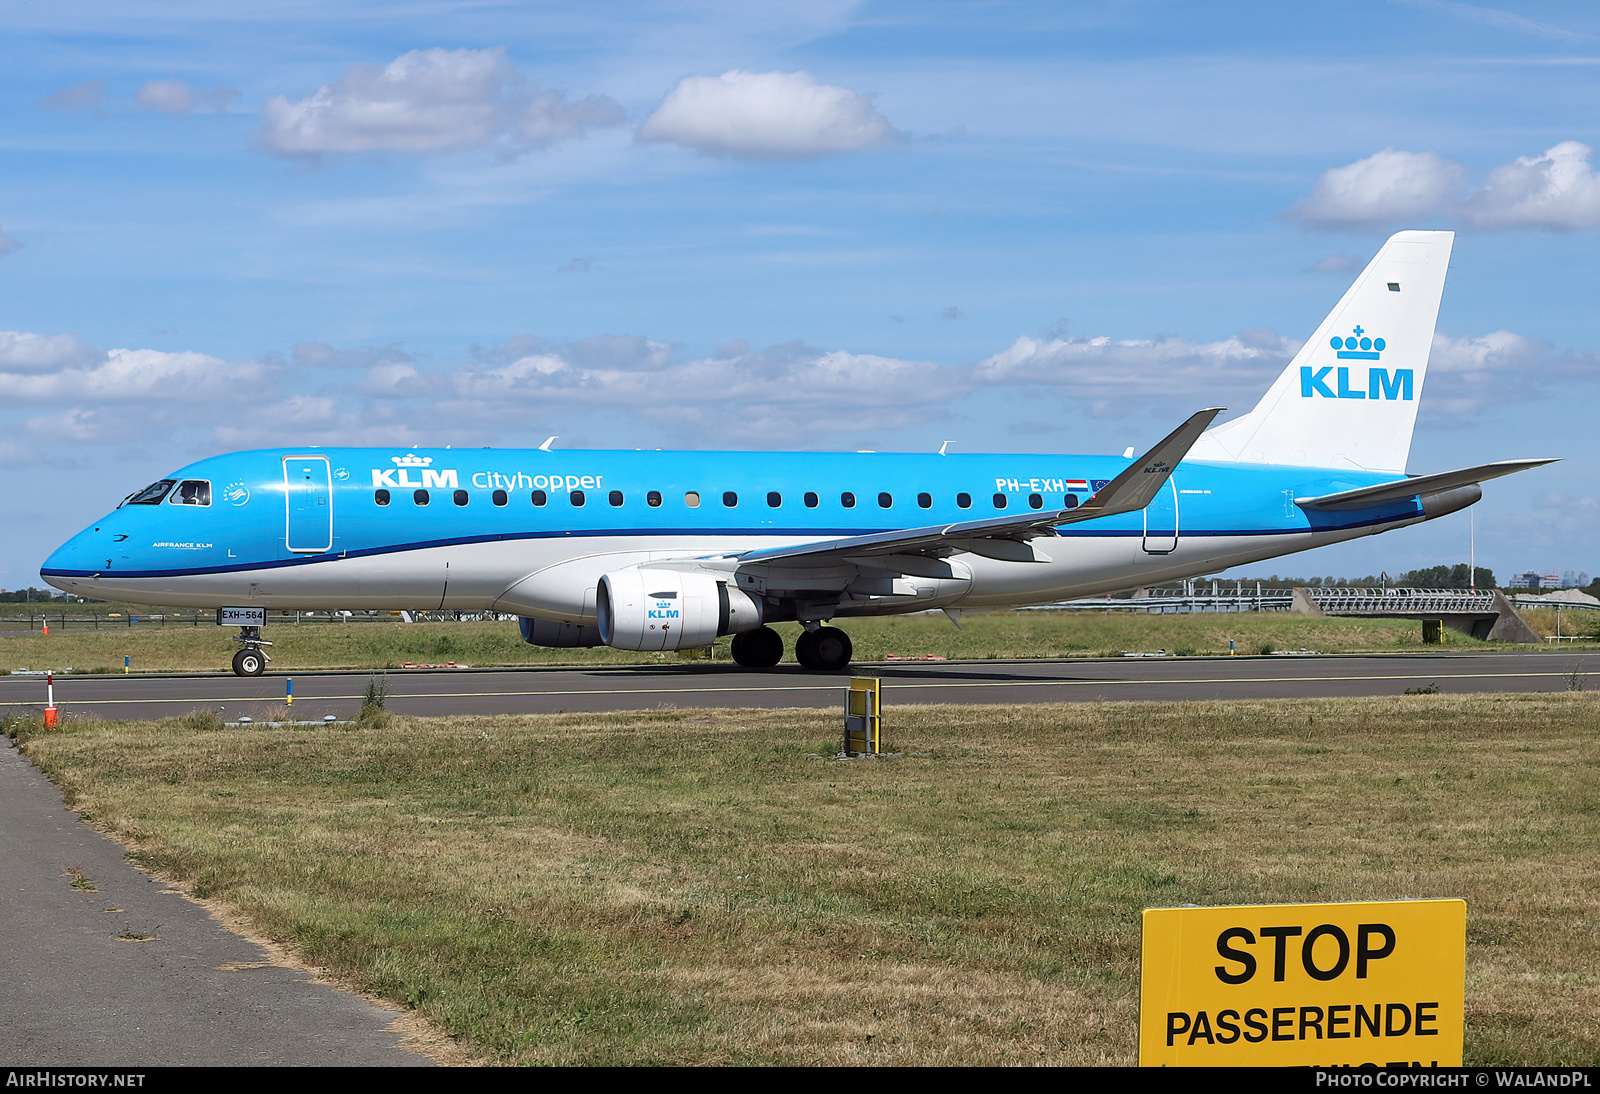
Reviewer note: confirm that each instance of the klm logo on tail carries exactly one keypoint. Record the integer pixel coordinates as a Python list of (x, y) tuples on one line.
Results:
[(1381, 383)]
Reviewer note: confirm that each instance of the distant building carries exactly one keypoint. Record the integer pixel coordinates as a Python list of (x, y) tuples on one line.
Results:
[(1568, 579)]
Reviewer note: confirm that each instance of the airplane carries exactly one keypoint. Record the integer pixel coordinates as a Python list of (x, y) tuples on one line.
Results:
[(672, 550)]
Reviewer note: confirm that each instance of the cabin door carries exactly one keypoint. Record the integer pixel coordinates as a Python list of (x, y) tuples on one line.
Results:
[(308, 497), (1161, 520)]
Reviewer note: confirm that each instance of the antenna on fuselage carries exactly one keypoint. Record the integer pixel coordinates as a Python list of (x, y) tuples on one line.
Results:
[(548, 441)]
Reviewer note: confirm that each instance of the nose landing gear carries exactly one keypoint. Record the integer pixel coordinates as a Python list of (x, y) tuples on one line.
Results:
[(252, 659)]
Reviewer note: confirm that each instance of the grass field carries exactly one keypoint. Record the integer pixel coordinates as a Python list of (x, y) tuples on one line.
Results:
[(701, 887), (180, 648)]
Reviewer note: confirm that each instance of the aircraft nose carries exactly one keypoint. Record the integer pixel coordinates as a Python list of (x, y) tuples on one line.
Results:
[(80, 557)]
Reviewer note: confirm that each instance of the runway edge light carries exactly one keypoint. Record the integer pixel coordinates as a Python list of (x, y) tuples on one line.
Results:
[(1277, 985)]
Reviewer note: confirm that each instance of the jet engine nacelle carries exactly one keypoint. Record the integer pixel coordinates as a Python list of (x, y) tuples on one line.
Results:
[(544, 632), (670, 609)]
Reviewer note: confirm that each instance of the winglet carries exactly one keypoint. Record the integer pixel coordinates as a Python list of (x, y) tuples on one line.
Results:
[(1143, 479)]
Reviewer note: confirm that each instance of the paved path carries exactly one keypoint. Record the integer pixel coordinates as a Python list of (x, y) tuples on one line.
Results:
[(499, 691), (75, 994)]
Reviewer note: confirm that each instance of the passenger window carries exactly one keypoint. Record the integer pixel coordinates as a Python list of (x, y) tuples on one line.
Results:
[(653, 499), (925, 501), (774, 499), (1035, 501), (885, 501), (577, 499), (1070, 501), (381, 497), (192, 492), (692, 500), (730, 499), (420, 497), (999, 501), (539, 497), (964, 501), (461, 497), (811, 500), (848, 500), (499, 497), (616, 497)]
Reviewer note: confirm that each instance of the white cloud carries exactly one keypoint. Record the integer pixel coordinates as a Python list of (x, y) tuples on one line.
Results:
[(1499, 350), (178, 97), (1387, 186), (322, 355), (769, 115), (1557, 190), (1494, 17), (429, 101), (395, 380), (136, 375), (1115, 374), (313, 419), (91, 93), (1470, 373), (1339, 264), (166, 96), (22, 352), (784, 393)]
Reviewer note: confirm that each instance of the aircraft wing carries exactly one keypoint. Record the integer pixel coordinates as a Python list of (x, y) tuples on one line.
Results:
[(1129, 492), (1399, 490)]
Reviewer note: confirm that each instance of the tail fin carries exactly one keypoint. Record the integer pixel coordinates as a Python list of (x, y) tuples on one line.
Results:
[(1349, 397)]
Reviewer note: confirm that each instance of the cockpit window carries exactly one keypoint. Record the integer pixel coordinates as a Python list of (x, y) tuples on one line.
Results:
[(192, 492), (150, 495)]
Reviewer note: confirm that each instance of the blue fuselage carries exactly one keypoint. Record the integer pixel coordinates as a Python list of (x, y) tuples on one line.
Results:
[(459, 528)]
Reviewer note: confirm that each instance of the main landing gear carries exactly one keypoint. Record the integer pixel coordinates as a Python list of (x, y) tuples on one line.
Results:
[(252, 659), (819, 648), (758, 649), (823, 649)]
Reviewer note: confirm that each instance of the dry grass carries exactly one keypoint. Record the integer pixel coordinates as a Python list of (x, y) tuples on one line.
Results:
[(154, 648), (691, 887)]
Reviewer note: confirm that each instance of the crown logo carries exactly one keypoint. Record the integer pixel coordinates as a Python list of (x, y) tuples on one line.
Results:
[(1358, 346), (411, 461)]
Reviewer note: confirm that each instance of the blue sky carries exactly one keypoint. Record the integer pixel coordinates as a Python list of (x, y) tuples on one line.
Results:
[(781, 225)]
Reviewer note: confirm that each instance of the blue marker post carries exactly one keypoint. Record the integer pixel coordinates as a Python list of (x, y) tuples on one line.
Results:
[(291, 690), (1230, 647), (125, 669)]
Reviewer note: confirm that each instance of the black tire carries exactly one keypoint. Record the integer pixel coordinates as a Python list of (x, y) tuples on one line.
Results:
[(249, 662), (758, 649), (826, 649)]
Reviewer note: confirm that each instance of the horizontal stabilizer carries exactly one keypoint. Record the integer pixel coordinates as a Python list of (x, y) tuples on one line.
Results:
[(1129, 492), (1366, 496)]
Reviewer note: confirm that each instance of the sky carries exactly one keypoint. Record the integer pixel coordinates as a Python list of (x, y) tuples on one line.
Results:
[(793, 226)]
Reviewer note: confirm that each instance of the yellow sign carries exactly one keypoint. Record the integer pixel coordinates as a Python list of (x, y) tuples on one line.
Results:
[(1304, 984), (863, 721)]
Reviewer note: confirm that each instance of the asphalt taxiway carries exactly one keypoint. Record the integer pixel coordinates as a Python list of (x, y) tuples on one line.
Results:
[(686, 685), (106, 967)]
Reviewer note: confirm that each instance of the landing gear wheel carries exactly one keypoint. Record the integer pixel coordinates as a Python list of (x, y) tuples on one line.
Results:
[(758, 649), (249, 662), (826, 649)]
